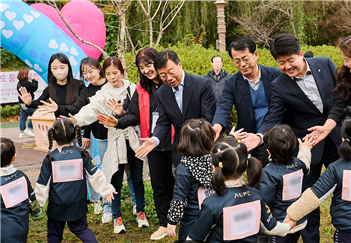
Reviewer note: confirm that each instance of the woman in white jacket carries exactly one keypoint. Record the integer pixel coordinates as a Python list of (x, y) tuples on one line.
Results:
[(121, 142)]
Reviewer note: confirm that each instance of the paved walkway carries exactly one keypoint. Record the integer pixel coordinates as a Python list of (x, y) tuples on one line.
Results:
[(29, 159)]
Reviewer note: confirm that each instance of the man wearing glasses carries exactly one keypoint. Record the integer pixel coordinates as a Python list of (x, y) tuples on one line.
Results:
[(302, 98), (185, 96), (249, 90)]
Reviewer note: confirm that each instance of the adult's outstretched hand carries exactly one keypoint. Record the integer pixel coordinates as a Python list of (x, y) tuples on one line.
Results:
[(148, 145)]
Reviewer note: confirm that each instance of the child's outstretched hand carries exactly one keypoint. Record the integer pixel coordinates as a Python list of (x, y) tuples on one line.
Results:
[(171, 230), (238, 134), (307, 142), (110, 197)]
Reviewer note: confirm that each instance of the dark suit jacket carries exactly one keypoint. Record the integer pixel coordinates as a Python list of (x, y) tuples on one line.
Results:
[(236, 92), (198, 102), (289, 103)]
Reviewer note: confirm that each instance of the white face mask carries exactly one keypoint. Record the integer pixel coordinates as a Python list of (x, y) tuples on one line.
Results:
[(60, 74)]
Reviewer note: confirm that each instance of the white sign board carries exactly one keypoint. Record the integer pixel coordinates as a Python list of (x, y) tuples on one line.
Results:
[(8, 84)]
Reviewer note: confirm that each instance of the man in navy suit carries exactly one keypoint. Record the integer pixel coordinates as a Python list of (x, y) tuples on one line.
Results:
[(249, 90), (185, 96), (302, 98)]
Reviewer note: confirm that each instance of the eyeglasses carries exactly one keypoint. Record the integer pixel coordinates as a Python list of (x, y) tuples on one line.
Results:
[(244, 60), (171, 72)]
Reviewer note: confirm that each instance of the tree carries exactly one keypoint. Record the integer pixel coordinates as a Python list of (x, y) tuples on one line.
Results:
[(259, 25)]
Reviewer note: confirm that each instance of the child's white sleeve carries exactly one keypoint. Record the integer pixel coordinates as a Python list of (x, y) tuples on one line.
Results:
[(305, 155), (42, 192), (281, 229), (99, 183)]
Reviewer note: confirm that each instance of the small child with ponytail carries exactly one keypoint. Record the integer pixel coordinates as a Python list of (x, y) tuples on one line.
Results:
[(194, 173), (236, 211), (336, 179), (62, 178), (281, 182)]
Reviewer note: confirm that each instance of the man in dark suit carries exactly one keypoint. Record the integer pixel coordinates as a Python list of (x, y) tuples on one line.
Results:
[(185, 96), (302, 98), (249, 90)]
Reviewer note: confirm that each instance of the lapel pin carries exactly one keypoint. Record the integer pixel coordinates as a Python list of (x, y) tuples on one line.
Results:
[(319, 70)]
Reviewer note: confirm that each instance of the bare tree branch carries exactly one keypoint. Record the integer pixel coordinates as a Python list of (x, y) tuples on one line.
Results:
[(163, 28), (53, 3)]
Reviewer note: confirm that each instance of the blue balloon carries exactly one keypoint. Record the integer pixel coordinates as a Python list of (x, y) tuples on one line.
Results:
[(33, 37)]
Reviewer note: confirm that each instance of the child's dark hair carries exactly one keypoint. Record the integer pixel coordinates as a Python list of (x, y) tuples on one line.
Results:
[(64, 132), (280, 140), (345, 146), (233, 156), (196, 138), (8, 150)]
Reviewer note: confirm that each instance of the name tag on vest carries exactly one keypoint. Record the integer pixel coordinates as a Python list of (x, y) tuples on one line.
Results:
[(346, 185), (203, 193), (241, 221), (67, 170), (292, 185), (14, 192)]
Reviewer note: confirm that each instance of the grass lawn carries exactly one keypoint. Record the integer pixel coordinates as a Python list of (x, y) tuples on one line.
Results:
[(104, 232)]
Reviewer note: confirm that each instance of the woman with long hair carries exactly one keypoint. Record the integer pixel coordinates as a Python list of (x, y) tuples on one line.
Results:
[(62, 87), (121, 142), (24, 80), (143, 109)]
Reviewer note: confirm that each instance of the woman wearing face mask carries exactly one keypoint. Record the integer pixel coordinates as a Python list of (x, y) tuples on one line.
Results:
[(121, 142), (91, 71), (144, 108), (62, 87)]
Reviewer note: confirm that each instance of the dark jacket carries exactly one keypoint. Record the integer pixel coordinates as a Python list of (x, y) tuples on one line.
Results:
[(217, 82), (236, 92), (31, 87), (339, 208), (61, 94), (99, 131), (67, 200), (198, 102), (290, 104), (133, 117), (272, 184), (14, 220), (209, 225)]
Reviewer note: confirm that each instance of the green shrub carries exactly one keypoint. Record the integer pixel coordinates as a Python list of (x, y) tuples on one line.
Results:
[(9, 111), (10, 60), (197, 60)]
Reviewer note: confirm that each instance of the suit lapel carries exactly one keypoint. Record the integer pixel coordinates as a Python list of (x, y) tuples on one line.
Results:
[(243, 86), (169, 97), (317, 73), (266, 80), (187, 93), (297, 91)]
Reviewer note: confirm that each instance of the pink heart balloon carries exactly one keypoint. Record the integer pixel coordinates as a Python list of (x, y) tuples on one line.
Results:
[(85, 18)]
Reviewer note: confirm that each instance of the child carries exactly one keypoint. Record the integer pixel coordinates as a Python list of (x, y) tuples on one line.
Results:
[(63, 179), (235, 205), (335, 179), (31, 85), (195, 143), (17, 197), (281, 182)]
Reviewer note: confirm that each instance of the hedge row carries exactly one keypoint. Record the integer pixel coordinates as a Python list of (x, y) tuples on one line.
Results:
[(197, 59)]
